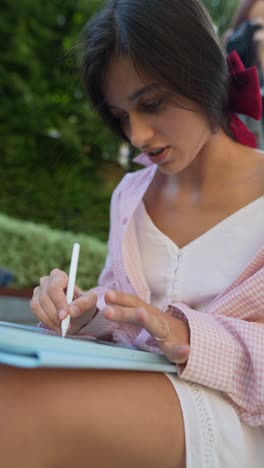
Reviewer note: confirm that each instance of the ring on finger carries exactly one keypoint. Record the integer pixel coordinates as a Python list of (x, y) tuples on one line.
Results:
[(164, 338)]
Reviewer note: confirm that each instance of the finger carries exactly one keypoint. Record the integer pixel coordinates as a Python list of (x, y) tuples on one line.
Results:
[(113, 296), (48, 323), (43, 280), (41, 315), (128, 315), (38, 311), (55, 289), (121, 314), (159, 327), (177, 354), (82, 311), (77, 292), (49, 308), (172, 336), (85, 303), (154, 323)]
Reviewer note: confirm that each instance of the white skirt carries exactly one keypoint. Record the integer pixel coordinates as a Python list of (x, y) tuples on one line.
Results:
[(214, 435)]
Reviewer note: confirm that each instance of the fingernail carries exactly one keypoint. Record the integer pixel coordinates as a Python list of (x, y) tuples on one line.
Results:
[(62, 314)]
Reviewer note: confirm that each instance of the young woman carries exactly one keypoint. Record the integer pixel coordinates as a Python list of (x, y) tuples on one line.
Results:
[(185, 269)]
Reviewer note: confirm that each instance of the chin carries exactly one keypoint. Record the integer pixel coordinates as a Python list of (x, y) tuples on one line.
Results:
[(171, 168)]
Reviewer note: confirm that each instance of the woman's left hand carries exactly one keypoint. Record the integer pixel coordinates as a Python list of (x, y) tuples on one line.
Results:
[(172, 334)]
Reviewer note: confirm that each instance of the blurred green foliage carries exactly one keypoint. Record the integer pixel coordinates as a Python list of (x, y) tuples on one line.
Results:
[(222, 12), (31, 251), (57, 158), (53, 147)]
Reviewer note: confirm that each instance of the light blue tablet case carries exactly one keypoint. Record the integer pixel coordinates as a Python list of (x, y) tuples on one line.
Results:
[(24, 346)]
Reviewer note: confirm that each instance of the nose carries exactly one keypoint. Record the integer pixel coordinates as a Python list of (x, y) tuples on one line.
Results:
[(140, 131)]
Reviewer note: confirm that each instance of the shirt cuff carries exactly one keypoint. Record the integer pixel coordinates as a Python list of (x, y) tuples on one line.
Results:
[(214, 352)]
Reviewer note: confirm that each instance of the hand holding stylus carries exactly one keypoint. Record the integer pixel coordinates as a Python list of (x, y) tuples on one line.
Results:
[(59, 311)]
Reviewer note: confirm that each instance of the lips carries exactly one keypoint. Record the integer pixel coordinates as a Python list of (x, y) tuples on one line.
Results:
[(158, 155), (156, 151)]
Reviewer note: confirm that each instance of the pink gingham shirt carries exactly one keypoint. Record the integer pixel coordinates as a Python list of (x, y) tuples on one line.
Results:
[(227, 338)]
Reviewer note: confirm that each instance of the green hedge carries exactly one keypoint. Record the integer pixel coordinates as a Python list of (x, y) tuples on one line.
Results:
[(30, 251)]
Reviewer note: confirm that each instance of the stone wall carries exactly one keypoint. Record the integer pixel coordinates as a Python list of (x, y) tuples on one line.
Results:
[(14, 306)]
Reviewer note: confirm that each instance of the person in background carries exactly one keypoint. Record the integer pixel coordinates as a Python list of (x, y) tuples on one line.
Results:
[(185, 267), (247, 37)]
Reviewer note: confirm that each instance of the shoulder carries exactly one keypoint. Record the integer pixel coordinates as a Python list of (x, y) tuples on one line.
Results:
[(256, 166), (249, 164)]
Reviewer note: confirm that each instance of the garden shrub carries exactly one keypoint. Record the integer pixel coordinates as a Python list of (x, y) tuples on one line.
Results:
[(30, 251)]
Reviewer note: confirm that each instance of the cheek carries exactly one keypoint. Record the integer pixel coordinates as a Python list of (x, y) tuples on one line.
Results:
[(187, 135), (178, 127)]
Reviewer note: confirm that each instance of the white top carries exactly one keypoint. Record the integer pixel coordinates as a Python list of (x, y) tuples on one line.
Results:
[(198, 272)]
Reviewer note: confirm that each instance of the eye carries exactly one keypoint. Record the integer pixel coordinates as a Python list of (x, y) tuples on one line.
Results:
[(152, 106)]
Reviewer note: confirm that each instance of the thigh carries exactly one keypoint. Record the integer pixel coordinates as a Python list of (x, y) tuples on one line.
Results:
[(84, 418)]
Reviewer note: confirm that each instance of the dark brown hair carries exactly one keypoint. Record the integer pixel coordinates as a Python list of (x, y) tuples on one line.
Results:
[(171, 41)]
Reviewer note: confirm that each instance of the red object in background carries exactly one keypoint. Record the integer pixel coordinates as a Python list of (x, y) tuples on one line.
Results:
[(245, 98)]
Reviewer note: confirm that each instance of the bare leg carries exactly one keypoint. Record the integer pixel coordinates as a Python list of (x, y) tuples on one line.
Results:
[(98, 419)]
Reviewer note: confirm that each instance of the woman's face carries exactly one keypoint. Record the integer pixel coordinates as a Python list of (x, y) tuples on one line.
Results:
[(170, 135)]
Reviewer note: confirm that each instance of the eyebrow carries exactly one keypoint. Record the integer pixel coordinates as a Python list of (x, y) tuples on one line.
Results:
[(140, 92)]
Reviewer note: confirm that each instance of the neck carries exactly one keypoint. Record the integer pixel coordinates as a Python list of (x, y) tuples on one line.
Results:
[(213, 169)]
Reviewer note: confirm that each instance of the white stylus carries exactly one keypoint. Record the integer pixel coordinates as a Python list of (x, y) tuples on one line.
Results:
[(71, 283)]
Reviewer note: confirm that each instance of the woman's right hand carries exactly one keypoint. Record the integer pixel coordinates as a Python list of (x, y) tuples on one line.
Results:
[(49, 304)]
